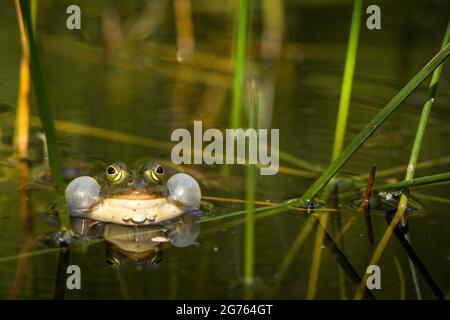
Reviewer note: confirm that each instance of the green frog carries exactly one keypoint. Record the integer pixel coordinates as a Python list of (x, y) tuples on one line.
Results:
[(151, 194)]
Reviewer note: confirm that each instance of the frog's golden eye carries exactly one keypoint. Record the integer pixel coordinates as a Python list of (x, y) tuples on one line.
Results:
[(117, 173), (155, 172)]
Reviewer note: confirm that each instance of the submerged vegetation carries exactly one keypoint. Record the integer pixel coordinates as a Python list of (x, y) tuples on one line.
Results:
[(307, 196)]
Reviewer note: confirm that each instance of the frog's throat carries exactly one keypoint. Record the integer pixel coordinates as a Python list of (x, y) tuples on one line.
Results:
[(135, 211)]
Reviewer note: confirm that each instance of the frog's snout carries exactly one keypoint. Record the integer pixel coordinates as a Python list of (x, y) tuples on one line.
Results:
[(137, 185), (82, 194)]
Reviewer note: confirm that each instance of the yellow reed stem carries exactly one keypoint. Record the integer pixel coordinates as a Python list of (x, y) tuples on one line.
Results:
[(21, 135), (185, 29), (383, 242), (315, 265)]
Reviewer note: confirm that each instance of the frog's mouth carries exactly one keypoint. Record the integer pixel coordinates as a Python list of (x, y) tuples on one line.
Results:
[(136, 210), (136, 195)]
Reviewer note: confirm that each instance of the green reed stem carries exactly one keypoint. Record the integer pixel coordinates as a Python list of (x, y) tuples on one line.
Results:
[(249, 246), (347, 80), (29, 254), (239, 64), (406, 184), (289, 158), (341, 124), (424, 164), (425, 113), (354, 145), (33, 9), (373, 125), (410, 169), (43, 105), (41, 97)]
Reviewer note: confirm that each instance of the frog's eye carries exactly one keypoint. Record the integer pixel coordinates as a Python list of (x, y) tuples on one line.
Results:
[(113, 262), (155, 172), (117, 173), (155, 260)]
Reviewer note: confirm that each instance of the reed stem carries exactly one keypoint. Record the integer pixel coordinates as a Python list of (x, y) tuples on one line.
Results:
[(382, 244), (43, 106), (406, 184), (316, 258), (425, 114), (372, 126), (21, 134), (341, 124), (41, 97), (249, 246), (411, 166), (239, 64), (347, 80)]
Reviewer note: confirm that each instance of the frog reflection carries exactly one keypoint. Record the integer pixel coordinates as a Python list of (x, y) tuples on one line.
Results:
[(141, 246)]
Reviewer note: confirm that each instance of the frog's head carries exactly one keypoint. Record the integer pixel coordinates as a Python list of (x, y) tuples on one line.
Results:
[(120, 182), (120, 259), (133, 197)]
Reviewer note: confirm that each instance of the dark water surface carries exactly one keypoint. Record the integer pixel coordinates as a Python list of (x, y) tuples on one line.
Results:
[(131, 82)]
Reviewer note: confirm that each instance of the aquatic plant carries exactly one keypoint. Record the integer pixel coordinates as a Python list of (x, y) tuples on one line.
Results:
[(239, 64), (341, 124), (414, 182), (43, 106), (347, 79), (412, 163), (21, 135), (249, 244)]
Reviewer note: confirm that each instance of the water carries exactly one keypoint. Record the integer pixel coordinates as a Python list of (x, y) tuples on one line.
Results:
[(134, 84)]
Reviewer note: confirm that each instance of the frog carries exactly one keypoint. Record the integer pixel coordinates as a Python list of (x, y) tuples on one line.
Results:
[(150, 194)]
